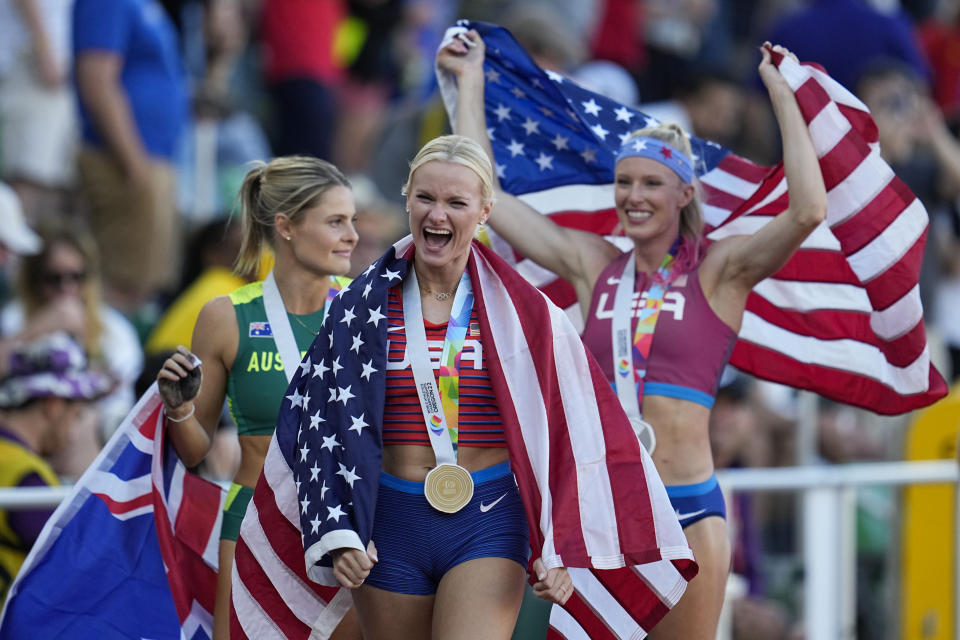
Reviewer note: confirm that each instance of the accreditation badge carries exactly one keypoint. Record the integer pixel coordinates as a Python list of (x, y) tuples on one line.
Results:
[(448, 487)]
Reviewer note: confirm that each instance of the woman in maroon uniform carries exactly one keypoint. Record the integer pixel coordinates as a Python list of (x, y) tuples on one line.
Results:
[(669, 364)]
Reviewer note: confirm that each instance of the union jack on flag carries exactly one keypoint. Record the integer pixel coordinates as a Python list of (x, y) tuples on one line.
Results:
[(260, 330), (842, 318), (130, 553)]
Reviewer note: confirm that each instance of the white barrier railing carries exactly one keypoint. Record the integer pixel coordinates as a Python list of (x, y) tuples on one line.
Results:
[(829, 538), (829, 549), (33, 497)]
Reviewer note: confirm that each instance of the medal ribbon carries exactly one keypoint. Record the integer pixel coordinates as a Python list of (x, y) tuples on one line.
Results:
[(449, 374), (632, 358), (439, 399), (647, 322)]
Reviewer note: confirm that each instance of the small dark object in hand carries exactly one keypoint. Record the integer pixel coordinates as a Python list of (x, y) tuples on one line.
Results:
[(184, 389), (190, 385)]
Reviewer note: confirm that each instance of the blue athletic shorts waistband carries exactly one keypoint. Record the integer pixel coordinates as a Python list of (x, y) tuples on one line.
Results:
[(416, 488), (696, 489)]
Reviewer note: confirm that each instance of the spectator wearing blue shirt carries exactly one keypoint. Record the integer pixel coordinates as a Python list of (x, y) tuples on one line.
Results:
[(133, 108), (845, 35)]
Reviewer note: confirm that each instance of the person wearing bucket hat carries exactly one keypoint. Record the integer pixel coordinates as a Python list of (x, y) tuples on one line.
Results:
[(45, 387)]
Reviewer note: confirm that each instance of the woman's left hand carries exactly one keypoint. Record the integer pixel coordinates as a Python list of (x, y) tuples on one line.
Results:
[(554, 585), (770, 73)]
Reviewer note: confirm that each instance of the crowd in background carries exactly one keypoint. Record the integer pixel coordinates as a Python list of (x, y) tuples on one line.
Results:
[(126, 127)]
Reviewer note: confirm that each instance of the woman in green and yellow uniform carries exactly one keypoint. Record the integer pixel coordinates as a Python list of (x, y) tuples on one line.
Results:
[(251, 342)]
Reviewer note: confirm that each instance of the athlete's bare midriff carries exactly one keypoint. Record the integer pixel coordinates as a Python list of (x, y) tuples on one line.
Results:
[(413, 462), (682, 454)]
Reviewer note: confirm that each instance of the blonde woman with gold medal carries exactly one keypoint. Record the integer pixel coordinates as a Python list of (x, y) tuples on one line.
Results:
[(445, 467), (448, 432)]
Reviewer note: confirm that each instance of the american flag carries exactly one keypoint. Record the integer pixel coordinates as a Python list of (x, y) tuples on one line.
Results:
[(591, 494), (130, 553), (842, 318)]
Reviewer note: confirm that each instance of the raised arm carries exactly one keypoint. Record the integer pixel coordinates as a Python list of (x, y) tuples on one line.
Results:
[(735, 265), (576, 256)]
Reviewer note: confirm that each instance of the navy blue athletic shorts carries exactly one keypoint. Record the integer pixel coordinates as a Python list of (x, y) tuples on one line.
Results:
[(417, 544), (694, 502)]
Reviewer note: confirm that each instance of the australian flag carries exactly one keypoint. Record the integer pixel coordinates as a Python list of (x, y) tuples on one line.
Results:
[(130, 553)]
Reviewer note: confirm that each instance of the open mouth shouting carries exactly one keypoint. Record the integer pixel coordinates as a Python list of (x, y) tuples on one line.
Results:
[(436, 238)]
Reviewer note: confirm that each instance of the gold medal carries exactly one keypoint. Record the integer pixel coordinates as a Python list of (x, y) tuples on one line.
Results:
[(645, 434), (448, 487)]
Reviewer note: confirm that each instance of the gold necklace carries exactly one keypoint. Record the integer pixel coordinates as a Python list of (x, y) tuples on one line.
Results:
[(304, 325), (438, 295)]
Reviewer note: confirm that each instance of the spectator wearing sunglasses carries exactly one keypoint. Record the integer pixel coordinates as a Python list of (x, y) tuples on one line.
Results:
[(59, 289)]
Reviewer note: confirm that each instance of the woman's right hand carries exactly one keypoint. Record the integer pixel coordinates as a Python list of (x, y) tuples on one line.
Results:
[(464, 55), (352, 566), (179, 382), (553, 585)]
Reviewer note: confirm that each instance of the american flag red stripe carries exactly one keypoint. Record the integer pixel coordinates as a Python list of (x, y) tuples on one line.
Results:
[(591, 494), (603, 221), (565, 513), (857, 231), (850, 289), (879, 231), (273, 596), (566, 448), (830, 325)]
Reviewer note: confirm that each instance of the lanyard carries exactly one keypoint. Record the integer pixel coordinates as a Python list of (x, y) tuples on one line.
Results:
[(280, 323), (280, 326), (629, 357), (440, 413)]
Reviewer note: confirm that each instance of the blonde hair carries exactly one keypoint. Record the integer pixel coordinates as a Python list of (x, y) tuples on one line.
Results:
[(691, 216), (288, 185), (458, 150)]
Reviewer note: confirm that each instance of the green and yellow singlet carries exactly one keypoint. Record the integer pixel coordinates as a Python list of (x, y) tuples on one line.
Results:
[(256, 383)]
